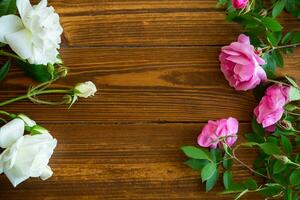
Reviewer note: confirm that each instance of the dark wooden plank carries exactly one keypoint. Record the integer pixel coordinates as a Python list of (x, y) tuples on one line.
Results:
[(79, 7), (146, 23), (140, 84), (144, 84), (94, 161), (144, 29)]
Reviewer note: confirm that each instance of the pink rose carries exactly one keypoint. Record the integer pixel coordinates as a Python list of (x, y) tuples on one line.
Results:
[(270, 108), (241, 65), (239, 4), (215, 131)]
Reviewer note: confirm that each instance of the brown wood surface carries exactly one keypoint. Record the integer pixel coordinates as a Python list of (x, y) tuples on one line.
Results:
[(155, 64)]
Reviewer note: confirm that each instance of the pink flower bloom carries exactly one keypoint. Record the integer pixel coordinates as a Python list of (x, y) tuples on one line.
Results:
[(239, 4), (270, 109), (241, 66), (214, 131)]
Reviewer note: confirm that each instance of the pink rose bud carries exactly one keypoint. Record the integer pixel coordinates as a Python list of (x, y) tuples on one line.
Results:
[(271, 107), (216, 132), (241, 66), (239, 4)]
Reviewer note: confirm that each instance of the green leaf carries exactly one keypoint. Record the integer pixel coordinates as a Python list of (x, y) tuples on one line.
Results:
[(288, 194), (207, 171), (296, 38), (216, 155), (278, 167), (249, 144), (295, 177), (278, 58), (273, 140), (288, 50), (4, 70), (227, 162), (196, 164), (291, 81), (39, 73), (211, 182), (254, 138), (196, 153), (287, 38), (270, 65), (278, 7), (269, 148), (250, 184), (222, 2), (280, 178), (290, 107), (297, 141), (271, 39), (257, 128), (227, 180), (294, 94), (271, 190), (7, 7), (274, 38), (286, 144), (271, 24)]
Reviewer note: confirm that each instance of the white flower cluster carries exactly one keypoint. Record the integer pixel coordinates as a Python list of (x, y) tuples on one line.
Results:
[(25, 156)]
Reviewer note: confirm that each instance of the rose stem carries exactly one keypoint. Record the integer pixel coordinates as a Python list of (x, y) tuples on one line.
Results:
[(7, 54), (33, 94)]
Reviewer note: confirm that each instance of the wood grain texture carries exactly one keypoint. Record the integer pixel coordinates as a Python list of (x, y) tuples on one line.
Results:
[(144, 85), (141, 84), (147, 23), (155, 63), (141, 161)]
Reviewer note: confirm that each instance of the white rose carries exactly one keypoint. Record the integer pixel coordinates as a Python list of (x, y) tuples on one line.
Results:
[(26, 155), (85, 90), (36, 35)]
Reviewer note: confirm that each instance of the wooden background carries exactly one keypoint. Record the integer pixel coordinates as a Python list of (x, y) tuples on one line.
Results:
[(155, 64)]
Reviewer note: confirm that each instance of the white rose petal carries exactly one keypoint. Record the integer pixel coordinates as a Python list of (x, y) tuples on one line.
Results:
[(12, 23), (36, 36), (21, 43), (24, 7), (11, 132), (47, 173), (28, 157)]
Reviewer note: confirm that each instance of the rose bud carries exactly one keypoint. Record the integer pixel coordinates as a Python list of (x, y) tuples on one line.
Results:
[(239, 4), (85, 90)]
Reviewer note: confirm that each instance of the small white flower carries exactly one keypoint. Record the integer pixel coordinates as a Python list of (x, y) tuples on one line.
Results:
[(85, 90), (36, 35), (26, 155)]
